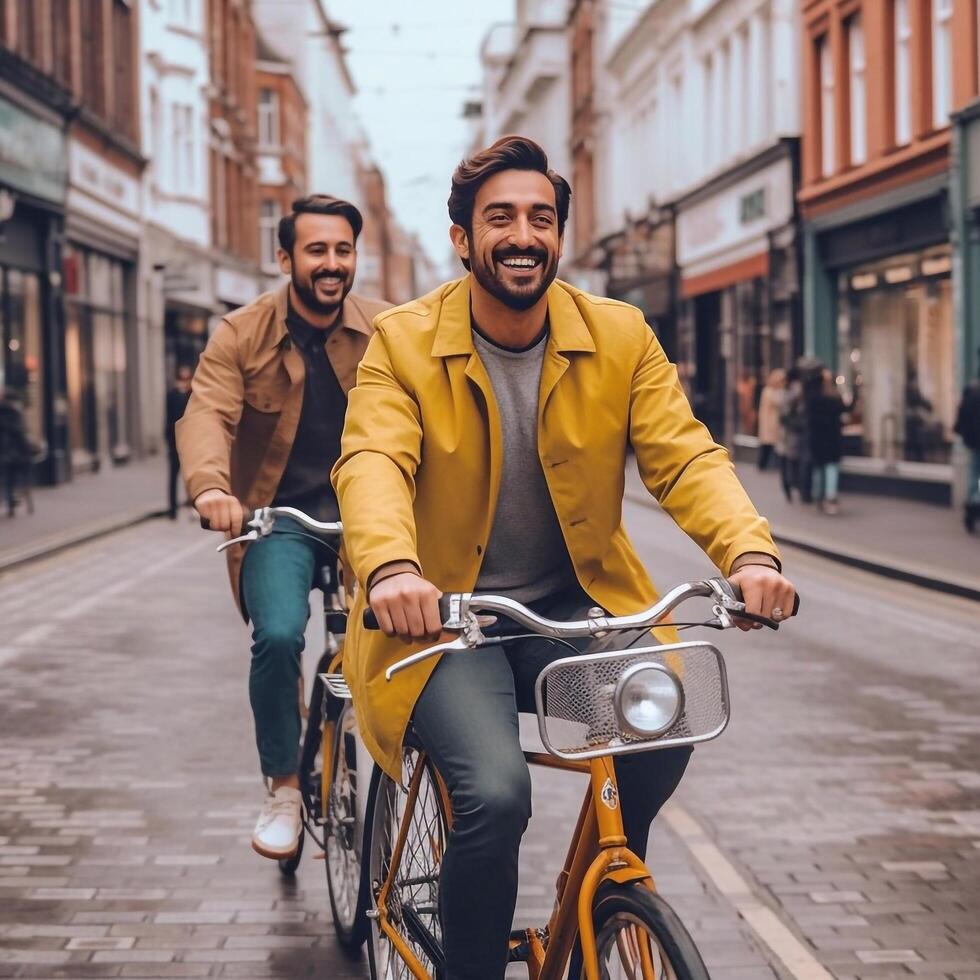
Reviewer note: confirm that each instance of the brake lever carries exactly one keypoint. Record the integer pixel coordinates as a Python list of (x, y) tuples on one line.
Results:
[(241, 539)]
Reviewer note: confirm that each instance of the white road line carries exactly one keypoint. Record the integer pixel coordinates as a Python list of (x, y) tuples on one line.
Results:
[(40, 632), (791, 953)]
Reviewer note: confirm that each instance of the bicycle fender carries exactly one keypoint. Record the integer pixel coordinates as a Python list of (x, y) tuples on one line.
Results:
[(623, 876)]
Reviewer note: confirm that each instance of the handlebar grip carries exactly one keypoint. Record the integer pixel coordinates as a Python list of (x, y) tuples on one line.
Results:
[(736, 592), (370, 620)]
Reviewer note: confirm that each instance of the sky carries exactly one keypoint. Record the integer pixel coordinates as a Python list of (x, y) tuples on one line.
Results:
[(415, 62)]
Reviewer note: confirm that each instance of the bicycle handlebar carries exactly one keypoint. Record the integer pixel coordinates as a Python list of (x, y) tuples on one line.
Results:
[(264, 520), (462, 609)]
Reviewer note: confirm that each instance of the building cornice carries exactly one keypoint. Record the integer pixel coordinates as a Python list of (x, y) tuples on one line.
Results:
[(784, 148)]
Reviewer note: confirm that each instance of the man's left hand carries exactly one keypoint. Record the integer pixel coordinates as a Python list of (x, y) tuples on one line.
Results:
[(765, 593)]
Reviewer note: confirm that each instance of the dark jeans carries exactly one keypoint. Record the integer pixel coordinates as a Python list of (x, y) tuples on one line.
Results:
[(766, 452), (172, 475), (278, 574), (467, 720)]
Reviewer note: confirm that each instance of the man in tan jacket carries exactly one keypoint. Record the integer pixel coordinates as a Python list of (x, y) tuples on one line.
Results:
[(263, 427)]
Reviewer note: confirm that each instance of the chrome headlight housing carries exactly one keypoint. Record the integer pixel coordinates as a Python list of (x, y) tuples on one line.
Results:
[(648, 699)]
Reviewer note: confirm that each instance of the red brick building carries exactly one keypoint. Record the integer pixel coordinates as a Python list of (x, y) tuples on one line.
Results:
[(234, 176), (282, 127), (881, 79), (583, 130), (70, 172)]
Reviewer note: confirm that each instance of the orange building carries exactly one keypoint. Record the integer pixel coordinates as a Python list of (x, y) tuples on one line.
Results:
[(282, 126), (881, 79), (234, 176)]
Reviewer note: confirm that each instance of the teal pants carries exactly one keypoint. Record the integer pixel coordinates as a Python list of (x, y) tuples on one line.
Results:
[(278, 574)]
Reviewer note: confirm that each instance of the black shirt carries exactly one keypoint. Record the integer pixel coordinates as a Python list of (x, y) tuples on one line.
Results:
[(305, 482)]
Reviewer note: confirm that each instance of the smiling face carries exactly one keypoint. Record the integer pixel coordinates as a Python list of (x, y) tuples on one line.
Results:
[(323, 262), (513, 245)]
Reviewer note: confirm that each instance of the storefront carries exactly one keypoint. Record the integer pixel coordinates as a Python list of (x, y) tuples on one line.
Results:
[(33, 181), (889, 332), (639, 267), (965, 209), (101, 343), (739, 311)]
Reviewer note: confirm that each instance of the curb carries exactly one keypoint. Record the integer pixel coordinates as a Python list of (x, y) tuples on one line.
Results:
[(67, 539), (928, 578)]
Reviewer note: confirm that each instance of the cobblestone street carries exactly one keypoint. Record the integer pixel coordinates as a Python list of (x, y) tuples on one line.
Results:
[(833, 831)]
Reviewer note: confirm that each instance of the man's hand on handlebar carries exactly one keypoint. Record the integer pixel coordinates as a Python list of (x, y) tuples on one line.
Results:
[(765, 593), (220, 511), (407, 606)]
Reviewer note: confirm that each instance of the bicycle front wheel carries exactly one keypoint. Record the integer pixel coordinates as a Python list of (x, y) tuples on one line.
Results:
[(409, 879), (640, 937)]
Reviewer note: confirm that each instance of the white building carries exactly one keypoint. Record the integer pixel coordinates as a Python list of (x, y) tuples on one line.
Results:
[(526, 89), (697, 147), (177, 298)]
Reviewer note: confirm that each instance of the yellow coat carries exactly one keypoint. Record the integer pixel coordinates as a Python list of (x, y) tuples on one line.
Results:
[(420, 468)]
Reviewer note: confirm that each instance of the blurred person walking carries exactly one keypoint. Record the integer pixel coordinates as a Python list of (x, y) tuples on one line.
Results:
[(796, 450), (263, 427), (771, 434), (825, 409), (177, 398), (967, 427), (16, 452)]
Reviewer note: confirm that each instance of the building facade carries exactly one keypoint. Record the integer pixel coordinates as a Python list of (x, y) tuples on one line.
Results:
[(880, 83), (70, 173), (691, 137), (282, 125)]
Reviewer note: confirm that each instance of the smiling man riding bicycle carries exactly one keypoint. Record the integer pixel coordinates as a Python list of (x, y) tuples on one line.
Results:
[(485, 450)]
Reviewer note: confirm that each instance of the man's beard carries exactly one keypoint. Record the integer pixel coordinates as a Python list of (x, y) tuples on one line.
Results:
[(520, 298), (307, 294)]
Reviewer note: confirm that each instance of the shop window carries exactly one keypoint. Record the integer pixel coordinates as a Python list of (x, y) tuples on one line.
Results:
[(21, 357), (896, 344), (268, 228), (942, 62), (269, 118), (903, 72), (856, 90), (96, 358), (828, 148)]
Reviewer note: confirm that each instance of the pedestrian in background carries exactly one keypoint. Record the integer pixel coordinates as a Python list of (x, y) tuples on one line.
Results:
[(16, 451), (177, 398), (825, 410), (771, 437), (795, 470), (967, 427)]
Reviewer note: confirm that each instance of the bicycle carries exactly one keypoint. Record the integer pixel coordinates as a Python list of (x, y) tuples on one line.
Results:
[(608, 917), (331, 753)]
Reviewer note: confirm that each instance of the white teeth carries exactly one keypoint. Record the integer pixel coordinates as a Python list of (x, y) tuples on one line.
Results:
[(520, 263)]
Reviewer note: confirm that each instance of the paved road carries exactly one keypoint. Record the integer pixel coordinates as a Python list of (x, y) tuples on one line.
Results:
[(839, 813)]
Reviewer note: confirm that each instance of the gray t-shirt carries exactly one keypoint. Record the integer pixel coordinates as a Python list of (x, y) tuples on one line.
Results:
[(526, 556)]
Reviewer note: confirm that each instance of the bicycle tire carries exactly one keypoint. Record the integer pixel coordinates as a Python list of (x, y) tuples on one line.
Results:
[(343, 838), (633, 905), (417, 881)]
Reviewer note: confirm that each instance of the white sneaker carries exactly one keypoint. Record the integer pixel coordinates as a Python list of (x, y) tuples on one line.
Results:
[(280, 824)]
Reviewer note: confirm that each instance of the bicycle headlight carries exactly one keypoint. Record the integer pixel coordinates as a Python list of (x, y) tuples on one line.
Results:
[(648, 699)]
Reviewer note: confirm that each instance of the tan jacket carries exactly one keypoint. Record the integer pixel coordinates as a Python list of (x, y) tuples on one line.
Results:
[(421, 462), (247, 396)]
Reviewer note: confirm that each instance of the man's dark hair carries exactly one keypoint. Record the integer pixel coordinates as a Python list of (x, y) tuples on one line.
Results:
[(317, 204), (507, 153)]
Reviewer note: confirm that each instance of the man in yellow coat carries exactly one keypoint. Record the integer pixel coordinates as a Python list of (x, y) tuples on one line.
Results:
[(485, 450)]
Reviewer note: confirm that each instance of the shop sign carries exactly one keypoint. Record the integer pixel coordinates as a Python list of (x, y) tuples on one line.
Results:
[(184, 277), (739, 215), (32, 154), (96, 176), (232, 286)]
